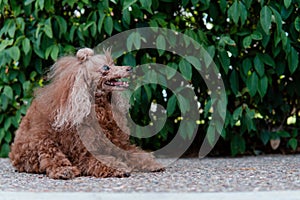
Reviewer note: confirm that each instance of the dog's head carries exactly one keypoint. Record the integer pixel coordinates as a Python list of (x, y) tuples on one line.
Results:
[(102, 67), (83, 77)]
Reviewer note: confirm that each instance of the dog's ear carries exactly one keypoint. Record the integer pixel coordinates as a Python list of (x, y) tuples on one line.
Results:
[(79, 100), (84, 54)]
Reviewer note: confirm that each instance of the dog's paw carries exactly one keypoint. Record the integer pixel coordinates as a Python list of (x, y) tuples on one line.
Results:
[(156, 168), (121, 174), (65, 172), (151, 167), (113, 173)]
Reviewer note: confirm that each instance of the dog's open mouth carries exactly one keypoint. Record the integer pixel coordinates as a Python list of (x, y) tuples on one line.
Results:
[(117, 83)]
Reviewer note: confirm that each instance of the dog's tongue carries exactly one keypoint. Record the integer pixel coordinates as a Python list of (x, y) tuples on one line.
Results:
[(118, 83)]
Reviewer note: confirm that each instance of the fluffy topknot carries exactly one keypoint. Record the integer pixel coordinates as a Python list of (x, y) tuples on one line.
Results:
[(84, 54)]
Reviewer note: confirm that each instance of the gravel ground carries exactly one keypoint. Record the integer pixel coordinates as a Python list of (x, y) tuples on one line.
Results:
[(265, 173)]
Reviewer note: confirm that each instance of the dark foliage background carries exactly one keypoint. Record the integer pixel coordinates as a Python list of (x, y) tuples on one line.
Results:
[(255, 45)]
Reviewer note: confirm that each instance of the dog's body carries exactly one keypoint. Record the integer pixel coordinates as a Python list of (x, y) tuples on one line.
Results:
[(51, 137)]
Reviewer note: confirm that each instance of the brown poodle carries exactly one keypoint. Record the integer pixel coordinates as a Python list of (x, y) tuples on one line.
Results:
[(72, 127)]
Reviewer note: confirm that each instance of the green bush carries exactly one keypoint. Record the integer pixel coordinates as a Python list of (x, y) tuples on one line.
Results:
[(255, 45)]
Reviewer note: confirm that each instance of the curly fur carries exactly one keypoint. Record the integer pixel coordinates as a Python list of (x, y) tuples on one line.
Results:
[(76, 103)]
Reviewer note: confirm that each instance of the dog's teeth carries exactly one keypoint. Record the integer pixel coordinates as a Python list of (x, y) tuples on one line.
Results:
[(117, 83), (125, 84)]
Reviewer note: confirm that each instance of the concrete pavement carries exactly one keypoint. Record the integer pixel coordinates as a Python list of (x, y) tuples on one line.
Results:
[(262, 177)]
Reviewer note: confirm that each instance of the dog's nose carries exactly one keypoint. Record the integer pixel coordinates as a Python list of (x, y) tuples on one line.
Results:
[(129, 69)]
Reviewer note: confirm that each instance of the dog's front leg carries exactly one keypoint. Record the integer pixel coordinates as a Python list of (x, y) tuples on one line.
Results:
[(103, 166), (140, 160), (54, 162)]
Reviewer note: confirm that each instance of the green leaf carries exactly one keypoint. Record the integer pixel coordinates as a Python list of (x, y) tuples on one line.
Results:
[(224, 60), (48, 51), (92, 26), (48, 28), (278, 20), (248, 119), (194, 61), (265, 19), (228, 41), (259, 66), (69, 49), (147, 88), (71, 34), (194, 2), (88, 25), (39, 4), (171, 105), (26, 45), (20, 22), (108, 25), (62, 25), (172, 39), (208, 57), (100, 22), (19, 40), (243, 13), (146, 4), (238, 145), (126, 16), (295, 133), (8, 136), (183, 103), (5, 43), (211, 50), (134, 39), (247, 41), (234, 12), (11, 29), (207, 108), (54, 52), (128, 3), (93, 29), (297, 24), (234, 82), (256, 35), (252, 83), (267, 59), (184, 2), (161, 44), (27, 2), (211, 134), (293, 143), (221, 109), (287, 3), (8, 92), (185, 69), (263, 86), (129, 60), (186, 129), (223, 6), (2, 134), (14, 53), (283, 134), (130, 41), (171, 70), (5, 149), (4, 102), (265, 137), (293, 60), (26, 86), (237, 113)]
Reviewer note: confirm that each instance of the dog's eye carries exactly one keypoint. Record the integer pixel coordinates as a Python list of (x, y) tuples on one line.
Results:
[(106, 68)]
